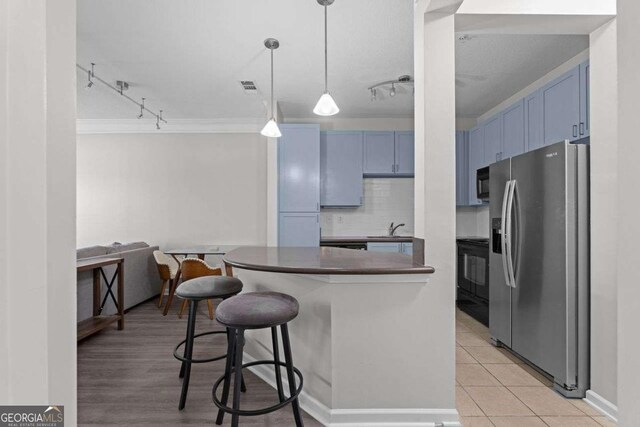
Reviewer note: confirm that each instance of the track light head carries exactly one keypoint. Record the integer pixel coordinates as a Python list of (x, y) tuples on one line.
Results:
[(373, 94)]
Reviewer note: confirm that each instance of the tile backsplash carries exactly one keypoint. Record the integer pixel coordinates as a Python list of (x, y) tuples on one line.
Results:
[(386, 200)]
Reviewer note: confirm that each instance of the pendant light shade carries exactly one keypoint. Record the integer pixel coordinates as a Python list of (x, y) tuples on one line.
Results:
[(271, 129), (326, 106)]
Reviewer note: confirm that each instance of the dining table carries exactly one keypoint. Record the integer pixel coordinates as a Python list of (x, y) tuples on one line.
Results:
[(200, 251)]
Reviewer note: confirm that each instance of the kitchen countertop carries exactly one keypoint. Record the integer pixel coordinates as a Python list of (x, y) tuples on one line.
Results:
[(365, 239), (323, 260)]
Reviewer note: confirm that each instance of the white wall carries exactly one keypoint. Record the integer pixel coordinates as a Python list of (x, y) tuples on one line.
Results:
[(386, 200), (472, 221), (172, 189), (542, 7), (37, 201), (604, 211), (628, 208), (434, 62)]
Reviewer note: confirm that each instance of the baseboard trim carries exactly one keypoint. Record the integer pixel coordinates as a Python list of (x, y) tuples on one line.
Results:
[(409, 417), (602, 405)]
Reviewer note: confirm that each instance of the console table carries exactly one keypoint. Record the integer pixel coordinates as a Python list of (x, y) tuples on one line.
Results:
[(98, 322)]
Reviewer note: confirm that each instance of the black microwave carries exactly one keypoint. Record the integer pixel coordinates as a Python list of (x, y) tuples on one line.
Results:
[(482, 183)]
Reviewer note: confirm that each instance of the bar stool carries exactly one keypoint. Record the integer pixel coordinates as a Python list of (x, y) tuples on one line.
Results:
[(194, 291), (257, 310)]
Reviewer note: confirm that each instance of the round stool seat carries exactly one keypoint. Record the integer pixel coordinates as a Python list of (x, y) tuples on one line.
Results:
[(257, 310), (209, 287)]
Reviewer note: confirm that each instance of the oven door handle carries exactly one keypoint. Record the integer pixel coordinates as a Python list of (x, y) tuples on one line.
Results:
[(503, 233)]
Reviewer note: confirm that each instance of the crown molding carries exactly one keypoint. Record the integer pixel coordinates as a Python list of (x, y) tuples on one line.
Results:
[(107, 126)]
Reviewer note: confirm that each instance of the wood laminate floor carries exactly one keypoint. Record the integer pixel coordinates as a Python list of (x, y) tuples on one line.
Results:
[(130, 377)]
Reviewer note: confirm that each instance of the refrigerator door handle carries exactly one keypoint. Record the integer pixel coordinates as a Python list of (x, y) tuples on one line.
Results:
[(509, 254), (503, 233)]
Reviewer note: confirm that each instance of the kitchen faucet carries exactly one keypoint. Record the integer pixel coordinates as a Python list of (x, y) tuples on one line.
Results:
[(392, 229)]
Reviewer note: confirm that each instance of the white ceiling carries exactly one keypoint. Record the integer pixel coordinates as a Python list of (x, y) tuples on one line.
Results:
[(187, 58), (490, 68)]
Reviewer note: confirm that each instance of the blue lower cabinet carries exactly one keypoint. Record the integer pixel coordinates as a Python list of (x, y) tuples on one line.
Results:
[(299, 229), (407, 248), (384, 247)]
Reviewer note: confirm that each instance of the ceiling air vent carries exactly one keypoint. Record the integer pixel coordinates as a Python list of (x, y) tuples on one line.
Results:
[(249, 87)]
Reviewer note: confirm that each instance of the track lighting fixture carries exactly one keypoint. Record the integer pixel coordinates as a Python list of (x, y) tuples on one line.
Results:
[(326, 106), (141, 109), (271, 129), (90, 75), (402, 80), (120, 87)]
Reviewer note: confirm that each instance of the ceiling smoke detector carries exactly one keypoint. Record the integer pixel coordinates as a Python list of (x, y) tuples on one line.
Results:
[(249, 87)]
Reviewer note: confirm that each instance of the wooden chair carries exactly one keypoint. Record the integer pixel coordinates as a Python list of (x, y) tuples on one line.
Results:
[(168, 268), (192, 268)]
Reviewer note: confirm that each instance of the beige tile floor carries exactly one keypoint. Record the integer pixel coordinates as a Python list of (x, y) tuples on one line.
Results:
[(496, 389)]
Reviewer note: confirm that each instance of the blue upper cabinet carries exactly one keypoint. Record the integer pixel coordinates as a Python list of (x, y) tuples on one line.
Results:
[(404, 153), (561, 108), (476, 161), (462, 169), (584, 125), (299, 229), (341, 169), (492, 129), (532, 121), (513, 130), (299, 168), (379, 153)]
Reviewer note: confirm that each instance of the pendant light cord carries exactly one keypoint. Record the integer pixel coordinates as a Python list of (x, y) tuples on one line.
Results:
[(325, 50), (272, 111)]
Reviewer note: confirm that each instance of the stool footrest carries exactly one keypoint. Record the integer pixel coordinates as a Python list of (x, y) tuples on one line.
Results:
[(254, 412), (213, 359)]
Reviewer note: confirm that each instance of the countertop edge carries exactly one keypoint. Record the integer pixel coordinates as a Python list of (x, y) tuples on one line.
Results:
[(330, 271)]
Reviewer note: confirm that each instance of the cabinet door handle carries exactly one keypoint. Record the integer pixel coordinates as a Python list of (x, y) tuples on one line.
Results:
[(581, 128), (393, 168), (575, 131), (318, 206)]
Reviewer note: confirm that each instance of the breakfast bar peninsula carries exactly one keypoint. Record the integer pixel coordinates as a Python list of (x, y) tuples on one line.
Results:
[(359, 338)]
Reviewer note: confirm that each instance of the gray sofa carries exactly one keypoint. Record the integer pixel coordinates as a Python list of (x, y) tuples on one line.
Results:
[(141, 279)]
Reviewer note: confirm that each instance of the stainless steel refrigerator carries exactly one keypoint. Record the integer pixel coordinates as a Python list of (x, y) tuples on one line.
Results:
[(539, 261)]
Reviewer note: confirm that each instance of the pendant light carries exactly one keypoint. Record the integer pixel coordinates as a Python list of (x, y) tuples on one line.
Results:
[(326, 106), (271, 129)]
